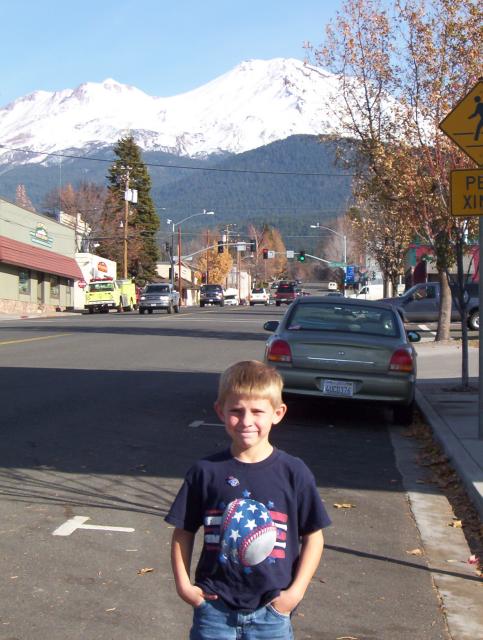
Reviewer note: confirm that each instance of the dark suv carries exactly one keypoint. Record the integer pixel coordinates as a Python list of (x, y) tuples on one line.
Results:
[(286, 293), (212, 294)]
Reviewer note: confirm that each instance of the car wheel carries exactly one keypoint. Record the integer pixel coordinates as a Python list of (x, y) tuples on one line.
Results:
[(222, 303), (202, 304), (403, 414), (170, 308), (474, 320), (141, 311), (150, 310), (277, 303), (252, 304), (91, 309)]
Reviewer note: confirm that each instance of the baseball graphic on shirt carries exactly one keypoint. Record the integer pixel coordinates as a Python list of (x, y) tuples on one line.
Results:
[(247, 534)]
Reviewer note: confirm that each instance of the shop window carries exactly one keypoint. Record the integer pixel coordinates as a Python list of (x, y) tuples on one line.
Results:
[(24, 282), (55, 287)]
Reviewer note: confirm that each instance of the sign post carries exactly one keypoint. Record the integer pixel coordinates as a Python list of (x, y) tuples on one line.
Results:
[(464, 125)]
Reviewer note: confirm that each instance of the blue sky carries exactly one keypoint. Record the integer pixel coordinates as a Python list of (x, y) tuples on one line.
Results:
[(163, 48)]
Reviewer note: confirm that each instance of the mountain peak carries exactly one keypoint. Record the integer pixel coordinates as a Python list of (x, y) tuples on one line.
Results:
[(257, 102)]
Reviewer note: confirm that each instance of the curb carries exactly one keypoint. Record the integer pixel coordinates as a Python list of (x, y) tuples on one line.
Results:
[(465, 466)]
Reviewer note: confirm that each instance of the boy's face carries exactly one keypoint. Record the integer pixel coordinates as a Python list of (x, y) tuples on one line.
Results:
[(248, 421)]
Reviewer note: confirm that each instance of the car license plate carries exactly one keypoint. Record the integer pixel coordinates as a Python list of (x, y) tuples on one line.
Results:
[(337, 388), (153, 304)]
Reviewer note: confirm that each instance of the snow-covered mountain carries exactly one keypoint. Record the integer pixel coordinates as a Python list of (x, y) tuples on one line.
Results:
[(258, 102)]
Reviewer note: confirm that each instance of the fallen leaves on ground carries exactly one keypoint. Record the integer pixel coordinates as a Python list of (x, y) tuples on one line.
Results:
[(439, 472), (143, 572), (415, 552), (344, 505)]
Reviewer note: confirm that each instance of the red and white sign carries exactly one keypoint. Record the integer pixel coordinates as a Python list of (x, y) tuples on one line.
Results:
[(81, 283)]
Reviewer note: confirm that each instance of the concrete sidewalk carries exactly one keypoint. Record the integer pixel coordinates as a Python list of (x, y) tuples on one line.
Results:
[(452, 413)]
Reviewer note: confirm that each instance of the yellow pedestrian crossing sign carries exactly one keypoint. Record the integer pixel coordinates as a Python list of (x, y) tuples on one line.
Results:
[(464, 125), (467, 192)]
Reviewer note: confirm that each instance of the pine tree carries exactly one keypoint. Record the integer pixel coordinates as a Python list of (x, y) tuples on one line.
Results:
[(129, 171)]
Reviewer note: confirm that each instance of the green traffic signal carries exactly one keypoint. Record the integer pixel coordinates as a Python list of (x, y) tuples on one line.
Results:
[(301, 257)]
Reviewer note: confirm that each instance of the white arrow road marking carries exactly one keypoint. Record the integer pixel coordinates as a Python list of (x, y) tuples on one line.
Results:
[(77, 522), (200, 423)]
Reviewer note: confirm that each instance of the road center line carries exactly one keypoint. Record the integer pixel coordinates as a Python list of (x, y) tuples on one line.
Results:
[(58, 335)]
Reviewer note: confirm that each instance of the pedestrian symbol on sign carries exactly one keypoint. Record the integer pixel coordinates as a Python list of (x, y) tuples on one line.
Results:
[(478, 112)]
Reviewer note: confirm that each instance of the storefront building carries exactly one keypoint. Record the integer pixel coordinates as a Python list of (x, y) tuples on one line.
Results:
[(37, 265)]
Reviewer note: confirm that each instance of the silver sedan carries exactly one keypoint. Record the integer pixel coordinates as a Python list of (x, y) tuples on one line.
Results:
[(335, 347)]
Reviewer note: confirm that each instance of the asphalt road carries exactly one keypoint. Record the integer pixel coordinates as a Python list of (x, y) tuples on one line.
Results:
[(102, 415)]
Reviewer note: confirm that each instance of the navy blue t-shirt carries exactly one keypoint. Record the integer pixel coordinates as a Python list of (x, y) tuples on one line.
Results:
[(253, 515)]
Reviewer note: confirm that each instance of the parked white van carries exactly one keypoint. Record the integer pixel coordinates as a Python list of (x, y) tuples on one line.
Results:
[(369, 292)]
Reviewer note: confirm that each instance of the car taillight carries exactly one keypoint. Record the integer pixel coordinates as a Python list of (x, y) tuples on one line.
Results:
[(401, 360), (279, 351)]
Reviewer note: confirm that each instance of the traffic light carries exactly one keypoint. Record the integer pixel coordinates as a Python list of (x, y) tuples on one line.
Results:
[(220, 246), (252, 245), (265, 254), (301, 256)]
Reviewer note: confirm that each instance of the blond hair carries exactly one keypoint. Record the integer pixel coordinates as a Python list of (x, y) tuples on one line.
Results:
[(251, 378)]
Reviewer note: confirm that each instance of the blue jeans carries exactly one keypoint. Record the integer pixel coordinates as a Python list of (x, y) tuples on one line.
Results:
[(213, 620)]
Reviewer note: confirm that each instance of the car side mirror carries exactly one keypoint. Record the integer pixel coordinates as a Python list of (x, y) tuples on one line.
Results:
[(413, 336), (271, 325)]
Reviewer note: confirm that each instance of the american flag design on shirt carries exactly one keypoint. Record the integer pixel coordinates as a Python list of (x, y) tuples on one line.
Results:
[(246, 532)]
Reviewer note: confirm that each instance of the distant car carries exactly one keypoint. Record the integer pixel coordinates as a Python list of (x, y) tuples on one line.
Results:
[(271, 292), (286, 293), (259, 295), (354, 350), (231, 297), (212, 294), (332, 286)]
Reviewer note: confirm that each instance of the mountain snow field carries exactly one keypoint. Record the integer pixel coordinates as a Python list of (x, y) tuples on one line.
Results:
[(256, 103)]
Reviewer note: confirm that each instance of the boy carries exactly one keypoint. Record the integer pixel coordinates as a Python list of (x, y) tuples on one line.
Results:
[(255, 503)]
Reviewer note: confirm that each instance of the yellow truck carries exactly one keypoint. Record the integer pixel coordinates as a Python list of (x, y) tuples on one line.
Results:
[(104, 294)]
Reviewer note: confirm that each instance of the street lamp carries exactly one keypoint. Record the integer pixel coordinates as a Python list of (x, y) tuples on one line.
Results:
[(337, 233), (178, 224)]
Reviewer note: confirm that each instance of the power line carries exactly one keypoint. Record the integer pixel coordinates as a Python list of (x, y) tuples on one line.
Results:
[(186, 167)]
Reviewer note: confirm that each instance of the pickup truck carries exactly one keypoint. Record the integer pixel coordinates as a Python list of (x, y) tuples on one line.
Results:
[(159, 295), (421, 304), (286, 293)]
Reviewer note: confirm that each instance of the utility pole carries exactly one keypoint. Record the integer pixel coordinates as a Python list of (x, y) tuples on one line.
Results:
[(207, 273), (180, 287), (130, 195), (126, 219)]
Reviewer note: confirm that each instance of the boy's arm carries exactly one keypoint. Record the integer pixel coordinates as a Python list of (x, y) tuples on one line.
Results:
[(181, 552), (310, 554)]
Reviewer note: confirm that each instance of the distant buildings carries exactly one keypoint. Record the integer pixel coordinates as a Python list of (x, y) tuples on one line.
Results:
[(38, 271)]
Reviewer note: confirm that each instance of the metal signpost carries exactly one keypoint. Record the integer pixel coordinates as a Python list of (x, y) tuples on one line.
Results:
[(464, 125)]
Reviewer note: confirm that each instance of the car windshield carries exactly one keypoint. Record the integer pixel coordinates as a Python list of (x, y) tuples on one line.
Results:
[(210, 288), (258, 290), (101, 286), (284, 288), (157, 288), (344, 318)]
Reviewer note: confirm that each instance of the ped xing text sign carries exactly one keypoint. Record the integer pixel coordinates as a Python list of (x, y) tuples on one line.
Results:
[(464, 124), (467, 192)]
